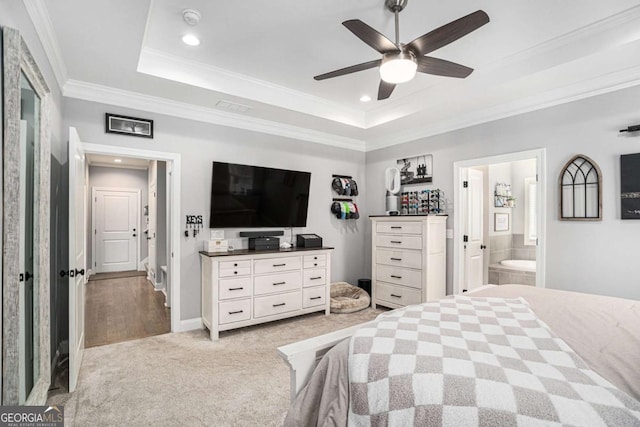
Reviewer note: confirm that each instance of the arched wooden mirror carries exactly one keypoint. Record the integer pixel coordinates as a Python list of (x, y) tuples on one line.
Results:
[(26, 364), (581, 190)]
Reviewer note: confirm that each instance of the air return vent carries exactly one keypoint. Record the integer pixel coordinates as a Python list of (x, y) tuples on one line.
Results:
[(232, 106)]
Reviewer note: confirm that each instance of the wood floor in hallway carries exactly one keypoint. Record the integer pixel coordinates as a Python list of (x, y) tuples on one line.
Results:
[(123, 309)]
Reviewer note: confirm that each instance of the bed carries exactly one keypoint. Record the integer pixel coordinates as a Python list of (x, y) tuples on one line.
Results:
[(335, 378)]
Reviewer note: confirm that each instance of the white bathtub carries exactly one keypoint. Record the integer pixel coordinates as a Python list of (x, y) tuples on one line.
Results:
[(520, 264)]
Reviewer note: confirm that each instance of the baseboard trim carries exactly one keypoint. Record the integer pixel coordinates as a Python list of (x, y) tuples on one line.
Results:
[(190, 324)]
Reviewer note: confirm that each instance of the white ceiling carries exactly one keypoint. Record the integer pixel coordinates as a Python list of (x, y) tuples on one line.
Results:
[(263, 55)]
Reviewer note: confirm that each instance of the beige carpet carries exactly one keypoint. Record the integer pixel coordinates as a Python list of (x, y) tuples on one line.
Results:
[(185, 379)]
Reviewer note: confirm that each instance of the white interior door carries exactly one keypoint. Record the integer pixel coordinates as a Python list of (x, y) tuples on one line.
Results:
[(77, 261), (115, 214), (153, 221), (474, 259)]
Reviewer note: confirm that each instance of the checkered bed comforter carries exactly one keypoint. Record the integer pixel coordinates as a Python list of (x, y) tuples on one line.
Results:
[(475, 361)]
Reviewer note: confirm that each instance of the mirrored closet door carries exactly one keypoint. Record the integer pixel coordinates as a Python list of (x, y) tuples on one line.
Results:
[(25, 260)]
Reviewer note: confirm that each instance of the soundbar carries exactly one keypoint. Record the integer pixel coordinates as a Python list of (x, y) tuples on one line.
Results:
[(265, 233)]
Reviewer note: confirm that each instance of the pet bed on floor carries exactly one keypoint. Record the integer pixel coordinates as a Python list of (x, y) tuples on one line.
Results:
[(346, 298)]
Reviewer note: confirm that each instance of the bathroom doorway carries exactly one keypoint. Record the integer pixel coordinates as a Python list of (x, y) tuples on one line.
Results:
[(499, 232)]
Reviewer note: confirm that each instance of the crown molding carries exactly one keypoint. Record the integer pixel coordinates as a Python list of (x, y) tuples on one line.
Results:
[(107, 95), (596, 86), (171, 67), (40, 18)]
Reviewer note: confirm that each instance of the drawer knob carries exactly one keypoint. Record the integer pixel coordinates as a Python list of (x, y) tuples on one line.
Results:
[(235, 272), (396, 241), (396, 296), (396, 259), (315, 257), (235, 264), (396, 277), (315, 297), (396, 227), (236, 289), (279, 265), (236, 312), (315, 278), (279, 283), (315, 264), (279, 305)]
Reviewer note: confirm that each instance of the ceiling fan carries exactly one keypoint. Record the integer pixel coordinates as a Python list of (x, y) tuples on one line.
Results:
[(400, 61)]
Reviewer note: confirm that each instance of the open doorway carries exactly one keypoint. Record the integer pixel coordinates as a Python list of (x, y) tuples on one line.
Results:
[(127, 250), (499, 231)]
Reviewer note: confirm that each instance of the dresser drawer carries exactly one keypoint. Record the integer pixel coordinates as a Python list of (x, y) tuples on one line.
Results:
[(399, 227), (311, 261), (234, 311), (271, 283), (314, 277), (235, 268), (234, 288), (399, 241), (397, 294), (312, 297), (274, 265), (399, 276), (276, 304), (410, 259)]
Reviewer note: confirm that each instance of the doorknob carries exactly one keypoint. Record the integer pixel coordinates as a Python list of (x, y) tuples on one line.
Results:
[(24, 277), (134, 234), (64, 273), (79, 272), (483, 247)]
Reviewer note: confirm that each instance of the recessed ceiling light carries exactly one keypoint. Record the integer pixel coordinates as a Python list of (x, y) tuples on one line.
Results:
[(191, 40), (365, 98), (117, 160)]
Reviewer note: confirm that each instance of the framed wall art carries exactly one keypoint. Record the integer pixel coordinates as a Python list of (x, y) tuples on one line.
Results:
[(132, 126), (500, 221), (416, 170)]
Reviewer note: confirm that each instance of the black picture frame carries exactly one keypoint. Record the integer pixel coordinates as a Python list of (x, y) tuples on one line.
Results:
[(125, 125)]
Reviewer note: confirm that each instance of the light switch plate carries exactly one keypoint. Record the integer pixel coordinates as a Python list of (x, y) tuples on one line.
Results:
[(217, 234), (449, 233)]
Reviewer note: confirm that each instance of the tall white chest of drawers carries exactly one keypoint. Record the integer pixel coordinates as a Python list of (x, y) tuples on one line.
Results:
[(244, 288), (408, 259)]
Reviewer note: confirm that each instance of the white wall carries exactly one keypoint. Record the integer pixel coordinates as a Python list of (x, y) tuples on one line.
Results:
[(595, 257), (519, 171), (200, 144), (136, 179)]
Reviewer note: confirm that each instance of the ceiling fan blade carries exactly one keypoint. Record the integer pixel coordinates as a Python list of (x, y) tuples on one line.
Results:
[(440, 67), (385, 90), (370, 36), (448, 33), (349, 70)]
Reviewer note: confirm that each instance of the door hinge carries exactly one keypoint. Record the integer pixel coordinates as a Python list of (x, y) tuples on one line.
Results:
[(171, 254), (536, 177), (95, 263), (465, 184), (465, 238), (536, 241), (96, 200), (95, 231)]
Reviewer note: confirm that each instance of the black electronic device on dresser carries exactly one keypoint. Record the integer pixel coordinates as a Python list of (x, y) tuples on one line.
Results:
[(308, 241), (265, 243)]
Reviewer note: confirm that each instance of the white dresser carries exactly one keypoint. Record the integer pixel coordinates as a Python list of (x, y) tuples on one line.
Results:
[(408, 259), (244, 288)]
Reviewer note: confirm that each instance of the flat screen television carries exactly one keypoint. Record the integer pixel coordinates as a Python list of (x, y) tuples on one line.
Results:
[(245, 196)]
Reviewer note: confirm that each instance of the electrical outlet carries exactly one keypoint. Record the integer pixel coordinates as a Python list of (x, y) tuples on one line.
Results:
[(449, 233), (217, 234)]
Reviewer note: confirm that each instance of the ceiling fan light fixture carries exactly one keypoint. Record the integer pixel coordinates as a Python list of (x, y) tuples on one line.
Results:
[(398, 67)]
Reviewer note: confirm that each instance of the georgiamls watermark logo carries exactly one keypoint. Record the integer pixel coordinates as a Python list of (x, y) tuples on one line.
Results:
[(31, 416)]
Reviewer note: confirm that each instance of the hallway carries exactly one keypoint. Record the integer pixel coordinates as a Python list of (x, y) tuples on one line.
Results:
[(122, 309)]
